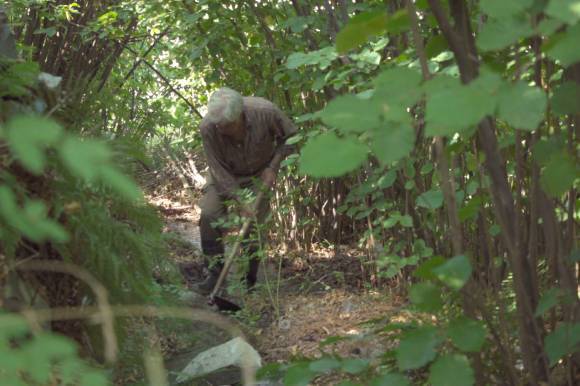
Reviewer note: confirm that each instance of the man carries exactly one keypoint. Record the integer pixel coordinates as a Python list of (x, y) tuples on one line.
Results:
[(244, 140)]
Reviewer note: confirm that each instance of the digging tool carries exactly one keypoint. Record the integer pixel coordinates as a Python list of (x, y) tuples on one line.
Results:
[(221, 303)]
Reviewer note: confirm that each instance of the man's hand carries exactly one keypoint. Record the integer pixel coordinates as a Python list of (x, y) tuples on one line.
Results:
[(268, 177)]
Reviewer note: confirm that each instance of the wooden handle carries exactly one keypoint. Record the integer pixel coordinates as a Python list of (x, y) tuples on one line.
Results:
[(236, 248)]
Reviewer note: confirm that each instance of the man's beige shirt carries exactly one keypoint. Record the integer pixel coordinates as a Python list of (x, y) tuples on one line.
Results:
[(267, 128)]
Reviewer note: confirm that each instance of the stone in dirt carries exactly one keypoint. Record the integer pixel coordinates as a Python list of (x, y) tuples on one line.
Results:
[(236, 352)]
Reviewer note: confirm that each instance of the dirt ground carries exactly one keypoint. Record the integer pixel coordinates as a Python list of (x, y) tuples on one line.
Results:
[(303, 299)]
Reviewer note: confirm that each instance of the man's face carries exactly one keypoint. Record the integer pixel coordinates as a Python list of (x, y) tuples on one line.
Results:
[(233, 129)]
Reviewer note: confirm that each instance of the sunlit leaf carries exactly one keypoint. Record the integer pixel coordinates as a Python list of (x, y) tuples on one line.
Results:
[(121, 183), (330, 156), (392, 141), (28, 136), (350, 113), (502, 8), (359, 29), (497, 34), (564, 46), (84, 158), (522, 106), (455, 272), (565, 10), (432, 199)]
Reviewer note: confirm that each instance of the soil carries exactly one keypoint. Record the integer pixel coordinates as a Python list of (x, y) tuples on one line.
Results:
[(303, 298)]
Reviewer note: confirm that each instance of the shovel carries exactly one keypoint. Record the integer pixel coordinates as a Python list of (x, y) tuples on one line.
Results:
[(221, 303)]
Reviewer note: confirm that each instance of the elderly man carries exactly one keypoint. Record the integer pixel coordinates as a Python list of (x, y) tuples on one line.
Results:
[(244, 139)]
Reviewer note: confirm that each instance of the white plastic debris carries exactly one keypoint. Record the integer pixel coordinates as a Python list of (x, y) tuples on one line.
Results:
[(50, 81), (236, 352)]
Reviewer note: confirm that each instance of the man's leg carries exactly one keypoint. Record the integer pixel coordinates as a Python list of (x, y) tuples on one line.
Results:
[(212, 209), (252, 246)]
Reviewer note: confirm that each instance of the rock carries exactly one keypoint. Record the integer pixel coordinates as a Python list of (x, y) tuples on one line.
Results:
[(235, 352)]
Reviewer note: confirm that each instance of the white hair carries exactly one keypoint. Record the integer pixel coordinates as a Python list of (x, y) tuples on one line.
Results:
[(224, 106)]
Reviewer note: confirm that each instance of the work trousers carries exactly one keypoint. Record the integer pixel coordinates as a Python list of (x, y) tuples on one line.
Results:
[(213, 209)]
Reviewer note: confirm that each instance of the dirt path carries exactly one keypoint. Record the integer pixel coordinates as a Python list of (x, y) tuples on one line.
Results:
[(314, 300)]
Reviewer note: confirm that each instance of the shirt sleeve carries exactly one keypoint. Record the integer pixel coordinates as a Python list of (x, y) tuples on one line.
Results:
[(284, 128), (224, 180)]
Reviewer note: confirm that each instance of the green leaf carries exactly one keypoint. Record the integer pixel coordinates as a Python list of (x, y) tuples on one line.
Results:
[(94, 378), (53, 346), (502, 8), (298, 375), (121, 183), (455, 272), (436, 45), (497, 34), (471, 209), (548, 301), (392, 141), (85, 158), (390, 380), (417, 348), (451, 370), (565, 10), (350, 113), (406, 221), (330, 156), (399, 86), (359, 29), (566, 99), (425, 270), (545, 149), (426, 296), (432, 199), (522, 106), (563, 46), (354, 366), (559, 175), (28, 136), (387, 180), (11, 326), (467, 334), (548, 26), (453, 107), (398, 22), (564, 340), (325, 364)]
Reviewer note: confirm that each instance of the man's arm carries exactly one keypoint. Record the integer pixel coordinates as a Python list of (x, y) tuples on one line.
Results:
[(223, 179), (285, 128)]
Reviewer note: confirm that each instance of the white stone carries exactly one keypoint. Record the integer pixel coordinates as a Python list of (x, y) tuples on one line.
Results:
[(236, 352)]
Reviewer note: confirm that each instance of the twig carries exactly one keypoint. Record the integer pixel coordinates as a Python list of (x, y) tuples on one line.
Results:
[(168, 83)]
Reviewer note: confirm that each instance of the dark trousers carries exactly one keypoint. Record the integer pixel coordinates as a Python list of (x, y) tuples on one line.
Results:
[(213, 208)]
